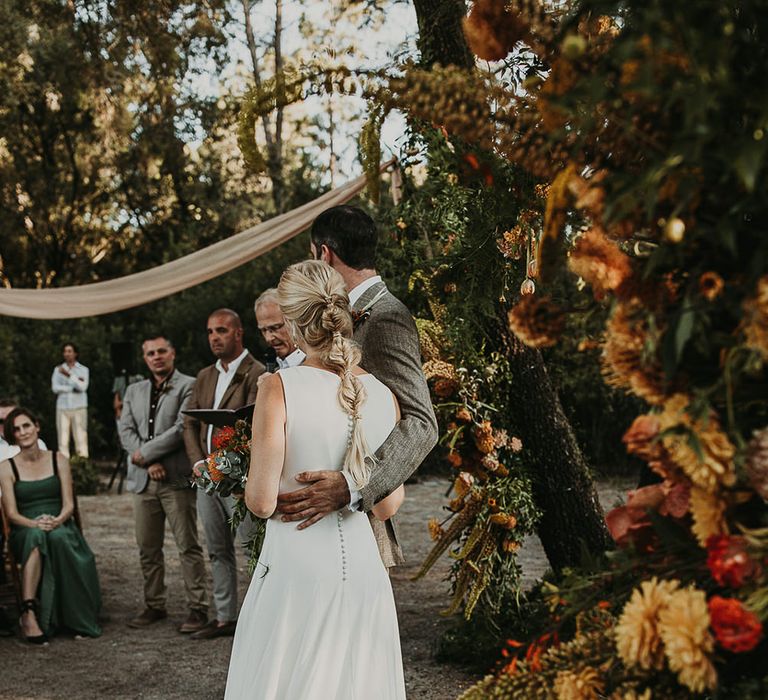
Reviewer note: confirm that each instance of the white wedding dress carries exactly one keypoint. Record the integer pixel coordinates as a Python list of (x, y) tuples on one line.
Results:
[(318, 621)]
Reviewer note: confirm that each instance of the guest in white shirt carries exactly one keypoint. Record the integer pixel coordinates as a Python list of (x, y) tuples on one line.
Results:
[(274, 331), (70, 384)]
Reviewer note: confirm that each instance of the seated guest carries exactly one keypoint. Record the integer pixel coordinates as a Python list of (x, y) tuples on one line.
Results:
[(7, 451), (60, 587)]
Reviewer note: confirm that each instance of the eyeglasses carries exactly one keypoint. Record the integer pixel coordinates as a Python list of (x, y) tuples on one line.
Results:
[(272, 329)]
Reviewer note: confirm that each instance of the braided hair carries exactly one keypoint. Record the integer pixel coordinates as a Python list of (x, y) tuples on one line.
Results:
[(315, 304)]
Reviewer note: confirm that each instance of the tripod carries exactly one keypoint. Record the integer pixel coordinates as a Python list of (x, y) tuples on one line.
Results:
[(120, 468)]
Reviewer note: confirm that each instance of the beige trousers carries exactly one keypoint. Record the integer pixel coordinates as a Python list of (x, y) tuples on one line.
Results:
[(74, 420), (152, 507)]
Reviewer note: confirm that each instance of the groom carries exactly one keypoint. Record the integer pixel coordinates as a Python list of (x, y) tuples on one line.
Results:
[(345, 237)]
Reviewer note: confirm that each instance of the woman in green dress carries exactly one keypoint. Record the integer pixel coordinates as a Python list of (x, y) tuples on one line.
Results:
[(60, 587)]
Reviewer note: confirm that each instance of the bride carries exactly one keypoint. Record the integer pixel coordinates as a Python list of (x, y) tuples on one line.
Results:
[(319, 619)]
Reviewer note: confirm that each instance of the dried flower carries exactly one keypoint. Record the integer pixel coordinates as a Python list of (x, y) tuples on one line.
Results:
[(684, 629), (708, 511), (485, 445), (711, 285), (439, 369), (512, 243), (509, 545), (755, 323), (215, 474), (435, 530), (464, 415), (600, 263), (515, 444), (757, 462), (444, 388), (584, 684), (626, 361), (729, 562), (637, 637), (506, 520), (489, 461), (462, 484), (536, 321), (401, 224), (500, 438), (736, 628), (454, 459)]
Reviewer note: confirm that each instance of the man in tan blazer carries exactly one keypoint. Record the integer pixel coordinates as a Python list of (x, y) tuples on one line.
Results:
[(229, 383), (345, 237)]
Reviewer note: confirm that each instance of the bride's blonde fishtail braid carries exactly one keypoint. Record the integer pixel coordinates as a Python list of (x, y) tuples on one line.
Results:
[(315, 302)]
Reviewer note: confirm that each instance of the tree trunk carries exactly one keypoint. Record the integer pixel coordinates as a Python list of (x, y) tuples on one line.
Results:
[(441, 39), (572, 519), (562, 487), (273, 141)]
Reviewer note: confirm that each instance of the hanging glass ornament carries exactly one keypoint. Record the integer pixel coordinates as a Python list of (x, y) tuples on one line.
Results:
[(527, 287), (532, 267)]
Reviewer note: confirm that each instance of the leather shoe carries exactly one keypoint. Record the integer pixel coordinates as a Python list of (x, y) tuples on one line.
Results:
[(196, 621), (148, 617), (213, 629)]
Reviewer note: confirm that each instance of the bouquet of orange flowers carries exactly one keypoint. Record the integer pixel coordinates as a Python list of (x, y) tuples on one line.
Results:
[(225, 472), (226, 468)]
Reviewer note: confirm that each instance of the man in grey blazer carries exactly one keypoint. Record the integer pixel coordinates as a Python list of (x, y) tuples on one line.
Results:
[(345, 237), (151, 431)]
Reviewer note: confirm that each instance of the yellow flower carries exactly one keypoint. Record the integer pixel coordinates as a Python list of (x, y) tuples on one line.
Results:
[(582, 685), (708, 511), (637, 636), (684, 629), (711, 465)]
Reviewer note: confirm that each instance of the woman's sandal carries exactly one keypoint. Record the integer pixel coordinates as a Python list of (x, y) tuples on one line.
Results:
[(27, 606)]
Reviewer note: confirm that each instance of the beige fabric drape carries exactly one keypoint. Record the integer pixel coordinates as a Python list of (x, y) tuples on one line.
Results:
[(200, 266)]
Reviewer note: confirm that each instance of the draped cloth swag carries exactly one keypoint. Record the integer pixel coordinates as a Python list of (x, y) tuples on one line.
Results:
[(202, 265)]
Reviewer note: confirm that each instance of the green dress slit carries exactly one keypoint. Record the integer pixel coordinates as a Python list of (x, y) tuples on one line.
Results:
[(69, 592)]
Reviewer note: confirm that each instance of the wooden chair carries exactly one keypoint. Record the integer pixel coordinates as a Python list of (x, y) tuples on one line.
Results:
[(10, 588)]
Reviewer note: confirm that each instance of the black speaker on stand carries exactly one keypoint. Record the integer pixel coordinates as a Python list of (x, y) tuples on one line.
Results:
[(122, 369)]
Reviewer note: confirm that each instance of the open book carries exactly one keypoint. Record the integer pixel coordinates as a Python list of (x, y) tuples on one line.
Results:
[(221, 417)]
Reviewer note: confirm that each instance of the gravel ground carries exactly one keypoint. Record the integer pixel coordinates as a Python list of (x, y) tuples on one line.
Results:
[(160, 664)]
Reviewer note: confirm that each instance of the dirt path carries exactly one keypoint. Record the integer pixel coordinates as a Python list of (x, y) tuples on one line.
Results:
[(160, 664)]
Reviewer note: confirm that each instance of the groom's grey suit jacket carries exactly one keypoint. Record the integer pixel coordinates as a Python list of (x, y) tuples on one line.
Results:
[(167, 447), (391, 352)]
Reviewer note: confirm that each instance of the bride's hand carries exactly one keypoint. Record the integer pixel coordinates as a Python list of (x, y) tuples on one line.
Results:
[(327, 492)]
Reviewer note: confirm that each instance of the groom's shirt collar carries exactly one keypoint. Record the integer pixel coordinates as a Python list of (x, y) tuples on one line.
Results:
[(362, 288)]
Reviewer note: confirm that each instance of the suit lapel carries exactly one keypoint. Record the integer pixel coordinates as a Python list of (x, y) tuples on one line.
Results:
[(208, 390), (236, 380), (146, 394)]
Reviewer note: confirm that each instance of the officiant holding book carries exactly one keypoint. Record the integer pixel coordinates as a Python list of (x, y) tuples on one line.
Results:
[(229, 383)]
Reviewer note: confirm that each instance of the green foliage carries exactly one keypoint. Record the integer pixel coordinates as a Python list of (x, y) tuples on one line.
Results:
[(85, 476)]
